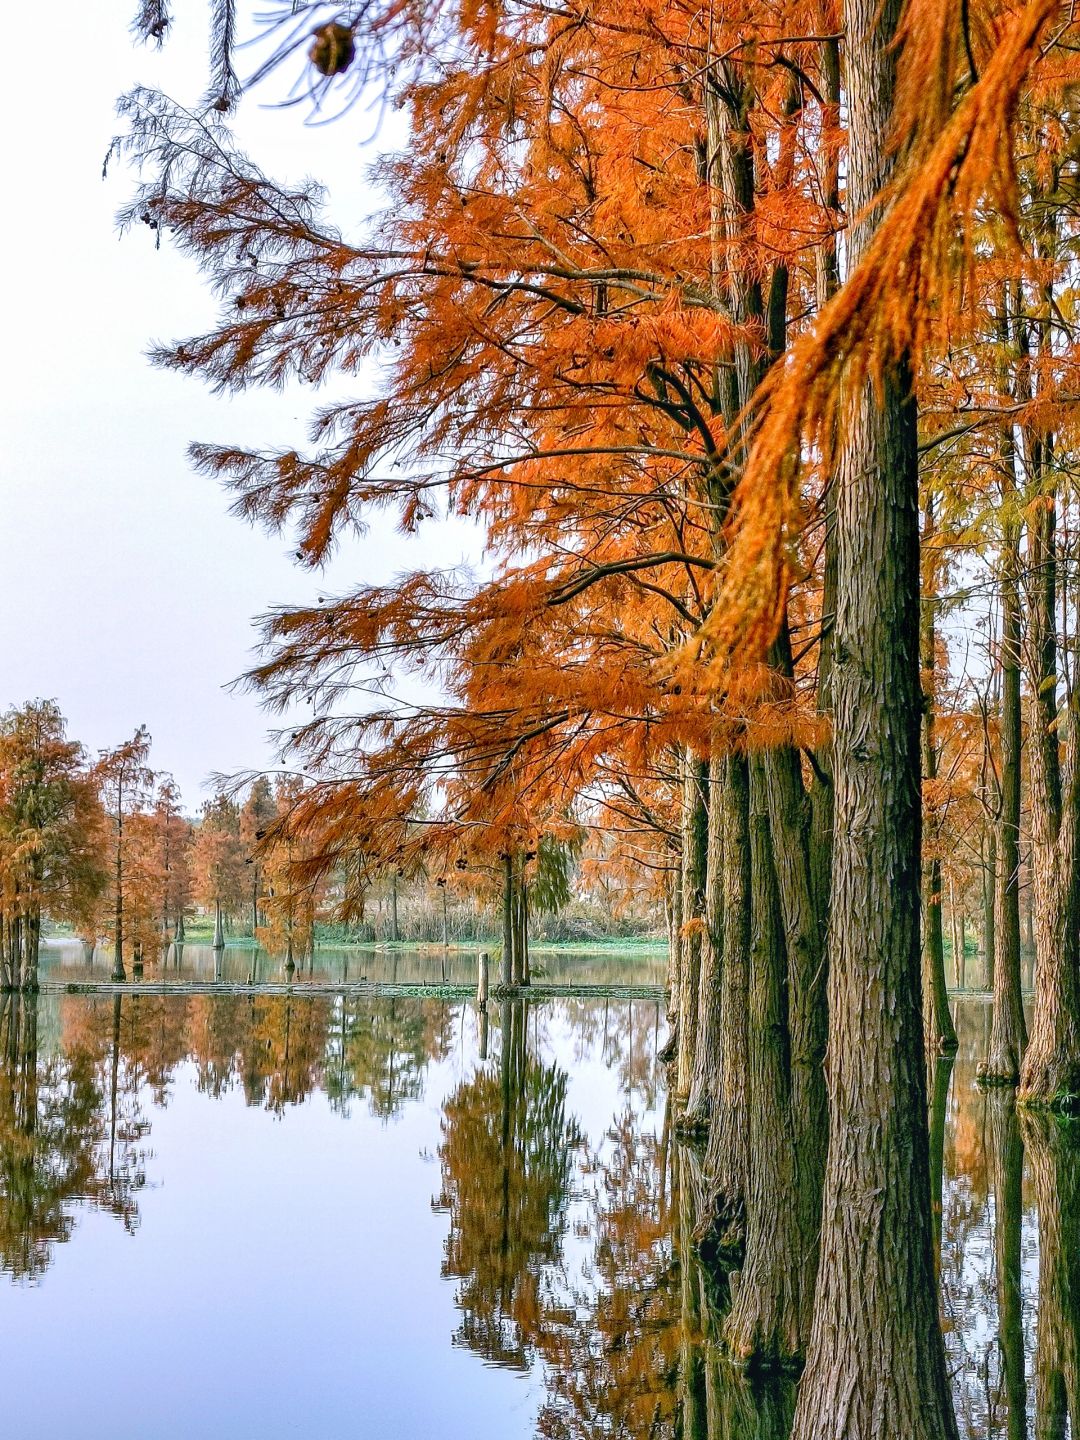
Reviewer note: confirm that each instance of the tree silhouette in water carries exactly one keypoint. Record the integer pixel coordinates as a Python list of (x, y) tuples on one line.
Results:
[(506, 1160)]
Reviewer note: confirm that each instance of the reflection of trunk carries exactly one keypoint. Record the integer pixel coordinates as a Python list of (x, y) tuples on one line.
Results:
[(114, 1072), (692, 1391), (764, 1324), (940, 1033), (1007, 1180), (876, 1361), (1054, 1157), (939, 1104)]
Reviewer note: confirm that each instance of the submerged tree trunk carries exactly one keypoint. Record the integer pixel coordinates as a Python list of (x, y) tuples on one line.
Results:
[(876, 1362)]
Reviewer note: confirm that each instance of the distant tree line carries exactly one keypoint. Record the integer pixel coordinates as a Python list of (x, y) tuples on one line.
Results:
[(102, 845)]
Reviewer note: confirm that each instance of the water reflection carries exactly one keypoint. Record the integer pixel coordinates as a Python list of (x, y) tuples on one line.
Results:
[(523, 1191)]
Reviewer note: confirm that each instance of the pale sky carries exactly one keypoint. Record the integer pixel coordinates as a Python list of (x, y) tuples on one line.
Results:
[(126, 590)]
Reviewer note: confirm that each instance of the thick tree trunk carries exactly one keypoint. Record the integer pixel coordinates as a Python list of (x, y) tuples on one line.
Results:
[(720, 1222), (764, 1326), (876, 1362), (1050, 1075), (791, 818)]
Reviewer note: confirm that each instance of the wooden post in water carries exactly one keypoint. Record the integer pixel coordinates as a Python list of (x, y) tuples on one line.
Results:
[(482, 981)]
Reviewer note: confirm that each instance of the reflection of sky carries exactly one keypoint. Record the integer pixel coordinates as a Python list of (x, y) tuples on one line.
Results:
[(285, 1276)]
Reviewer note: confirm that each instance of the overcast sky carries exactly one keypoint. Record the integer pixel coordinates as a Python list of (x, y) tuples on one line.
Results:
[(126, 590)]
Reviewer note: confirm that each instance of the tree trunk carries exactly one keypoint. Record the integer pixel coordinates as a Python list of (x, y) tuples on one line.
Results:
[(219, 934), (395, 934), (791, 818), (1008, 1031), (508, 920), (990, 887), (1050, 1075), (118, 904), (764, 1326), (876, 1362), (694, 850), (720, 1222), (940, 1031), (699, 1105)]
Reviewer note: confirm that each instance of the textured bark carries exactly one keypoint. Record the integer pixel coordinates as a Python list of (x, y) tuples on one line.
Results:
[(707, 1049), (764, 1327), (989, 909), (1050, 1075), (876, 1362), (1007, 1183), (719, 1229), (790, 816), (694, 843)]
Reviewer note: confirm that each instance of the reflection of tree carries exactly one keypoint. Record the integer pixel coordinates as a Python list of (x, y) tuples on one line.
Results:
[(506, 1163), (1054, 1151), (1007, 1174), (380, 1049), (716, 1399), (611, 1351), (68, 1136)]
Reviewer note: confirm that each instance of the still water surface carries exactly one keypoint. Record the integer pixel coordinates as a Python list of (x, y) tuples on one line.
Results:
[(309, 1215)]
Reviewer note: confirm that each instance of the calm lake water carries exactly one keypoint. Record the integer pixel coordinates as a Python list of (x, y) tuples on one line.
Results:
[(312, 1216)]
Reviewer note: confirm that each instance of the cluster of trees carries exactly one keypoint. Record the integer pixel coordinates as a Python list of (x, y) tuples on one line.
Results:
[(748, 335), (102, 845)]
